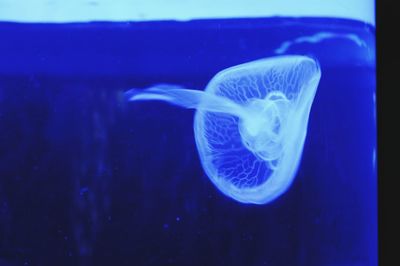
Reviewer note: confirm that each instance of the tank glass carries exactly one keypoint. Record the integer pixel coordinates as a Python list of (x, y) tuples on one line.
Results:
[(211, 133)]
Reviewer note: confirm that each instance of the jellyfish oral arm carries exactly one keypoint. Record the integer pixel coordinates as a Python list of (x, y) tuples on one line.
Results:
[(261, 120), (263, 130), (192, 99)]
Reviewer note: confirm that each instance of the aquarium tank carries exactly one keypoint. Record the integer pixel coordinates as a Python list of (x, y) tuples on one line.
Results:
[(209, 132)]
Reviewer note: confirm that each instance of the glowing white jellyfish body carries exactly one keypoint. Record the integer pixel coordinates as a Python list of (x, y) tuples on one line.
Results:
[(250, 124)]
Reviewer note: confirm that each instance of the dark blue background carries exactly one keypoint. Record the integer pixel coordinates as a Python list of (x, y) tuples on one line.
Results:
[(88, 179)]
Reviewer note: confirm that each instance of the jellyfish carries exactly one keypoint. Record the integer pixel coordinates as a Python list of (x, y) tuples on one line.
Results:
[(250, 123)]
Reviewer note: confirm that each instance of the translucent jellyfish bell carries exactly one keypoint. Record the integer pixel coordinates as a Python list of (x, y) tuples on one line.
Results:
[(250, 124)]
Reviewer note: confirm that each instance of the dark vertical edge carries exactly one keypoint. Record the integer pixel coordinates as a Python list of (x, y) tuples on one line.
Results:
[(387, 110)]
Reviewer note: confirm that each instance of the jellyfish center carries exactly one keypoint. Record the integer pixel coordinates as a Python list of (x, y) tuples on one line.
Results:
[(262, 128)]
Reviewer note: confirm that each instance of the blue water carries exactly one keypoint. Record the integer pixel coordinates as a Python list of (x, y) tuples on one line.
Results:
[(86, 178)]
